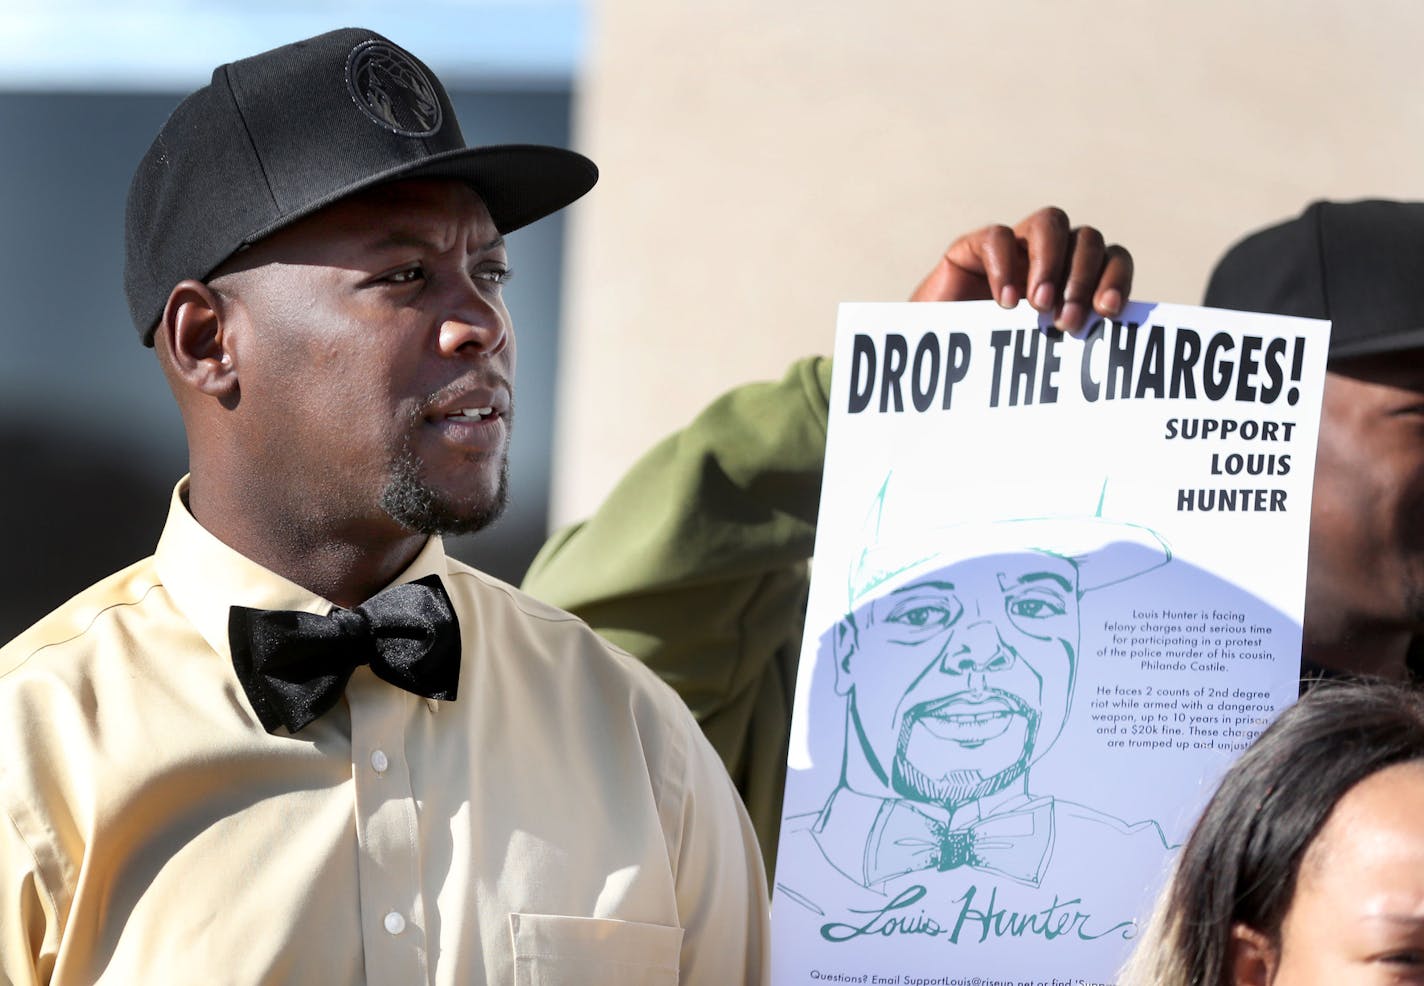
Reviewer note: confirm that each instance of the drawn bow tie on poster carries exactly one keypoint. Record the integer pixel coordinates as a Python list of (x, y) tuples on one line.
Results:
[(1013, 843), (1058, 585)]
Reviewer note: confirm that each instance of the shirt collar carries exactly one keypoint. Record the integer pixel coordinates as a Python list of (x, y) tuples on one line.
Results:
[(205, 577)]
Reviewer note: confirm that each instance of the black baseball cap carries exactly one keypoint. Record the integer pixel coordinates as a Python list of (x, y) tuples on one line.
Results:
[(277, 136), (1359, 264)]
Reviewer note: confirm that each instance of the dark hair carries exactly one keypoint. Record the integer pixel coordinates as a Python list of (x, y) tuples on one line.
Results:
[(1241, 862)]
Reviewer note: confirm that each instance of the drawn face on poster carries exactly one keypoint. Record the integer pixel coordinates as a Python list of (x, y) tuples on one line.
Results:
[(959, 651), (960, 677)]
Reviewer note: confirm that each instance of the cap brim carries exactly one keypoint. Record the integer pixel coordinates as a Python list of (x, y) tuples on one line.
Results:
[(1390, 342), (519, 183)]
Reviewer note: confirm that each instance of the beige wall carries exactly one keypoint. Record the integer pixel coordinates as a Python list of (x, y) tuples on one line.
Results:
[(763, 161)]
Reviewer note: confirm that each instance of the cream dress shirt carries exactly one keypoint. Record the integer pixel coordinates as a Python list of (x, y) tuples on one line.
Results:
[(562, 821)]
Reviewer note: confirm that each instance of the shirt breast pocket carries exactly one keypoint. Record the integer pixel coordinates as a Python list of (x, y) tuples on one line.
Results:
[(554, 950)]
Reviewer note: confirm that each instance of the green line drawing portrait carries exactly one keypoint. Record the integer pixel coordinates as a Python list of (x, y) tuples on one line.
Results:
[(956, 658)]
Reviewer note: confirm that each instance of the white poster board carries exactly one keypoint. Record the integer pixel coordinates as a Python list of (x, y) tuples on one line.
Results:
[(1057, 588)]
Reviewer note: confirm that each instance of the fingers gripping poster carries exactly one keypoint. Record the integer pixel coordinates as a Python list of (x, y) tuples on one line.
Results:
[(1057, 588)]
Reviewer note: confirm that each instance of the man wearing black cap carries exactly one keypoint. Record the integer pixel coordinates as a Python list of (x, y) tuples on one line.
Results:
[(299, 744), (1358, 264)]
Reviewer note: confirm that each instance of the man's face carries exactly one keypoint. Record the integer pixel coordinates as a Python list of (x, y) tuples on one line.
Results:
[(960, 677), (377, 359), (1367, 511)]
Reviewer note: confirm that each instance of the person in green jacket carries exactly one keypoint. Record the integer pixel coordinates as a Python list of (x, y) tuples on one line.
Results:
[(697, 562)]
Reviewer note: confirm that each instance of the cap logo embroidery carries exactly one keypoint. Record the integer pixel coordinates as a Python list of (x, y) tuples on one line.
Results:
[(391, 89)]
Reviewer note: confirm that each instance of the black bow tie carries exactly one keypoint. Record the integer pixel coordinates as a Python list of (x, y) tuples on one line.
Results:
[(294, 665)]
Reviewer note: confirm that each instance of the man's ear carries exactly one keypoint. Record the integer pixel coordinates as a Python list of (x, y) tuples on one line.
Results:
[(196, 338), (843, 644), (1253, 957)]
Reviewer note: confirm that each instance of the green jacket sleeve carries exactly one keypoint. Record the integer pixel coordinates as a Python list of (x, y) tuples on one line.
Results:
[(697, 564)]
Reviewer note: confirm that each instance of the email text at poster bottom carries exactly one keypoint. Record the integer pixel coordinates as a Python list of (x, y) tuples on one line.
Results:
[(875, 979)]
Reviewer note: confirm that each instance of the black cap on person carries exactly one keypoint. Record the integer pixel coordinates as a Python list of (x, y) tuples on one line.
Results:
[(1359, 264), (277, 136)]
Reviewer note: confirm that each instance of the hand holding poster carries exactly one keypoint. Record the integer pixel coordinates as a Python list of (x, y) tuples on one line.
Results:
[(1058, 585)]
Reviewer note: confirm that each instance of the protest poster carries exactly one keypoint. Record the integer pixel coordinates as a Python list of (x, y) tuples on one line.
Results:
[(1057, 588)]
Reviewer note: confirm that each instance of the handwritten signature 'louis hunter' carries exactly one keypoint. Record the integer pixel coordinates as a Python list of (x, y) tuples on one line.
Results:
[(1054, 921)]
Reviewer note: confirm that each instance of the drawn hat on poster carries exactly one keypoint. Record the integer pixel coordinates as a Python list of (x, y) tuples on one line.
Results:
[(1104, 552)]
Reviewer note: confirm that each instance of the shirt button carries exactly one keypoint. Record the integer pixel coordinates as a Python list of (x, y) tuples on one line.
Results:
[(379, 763), (395, 924)]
